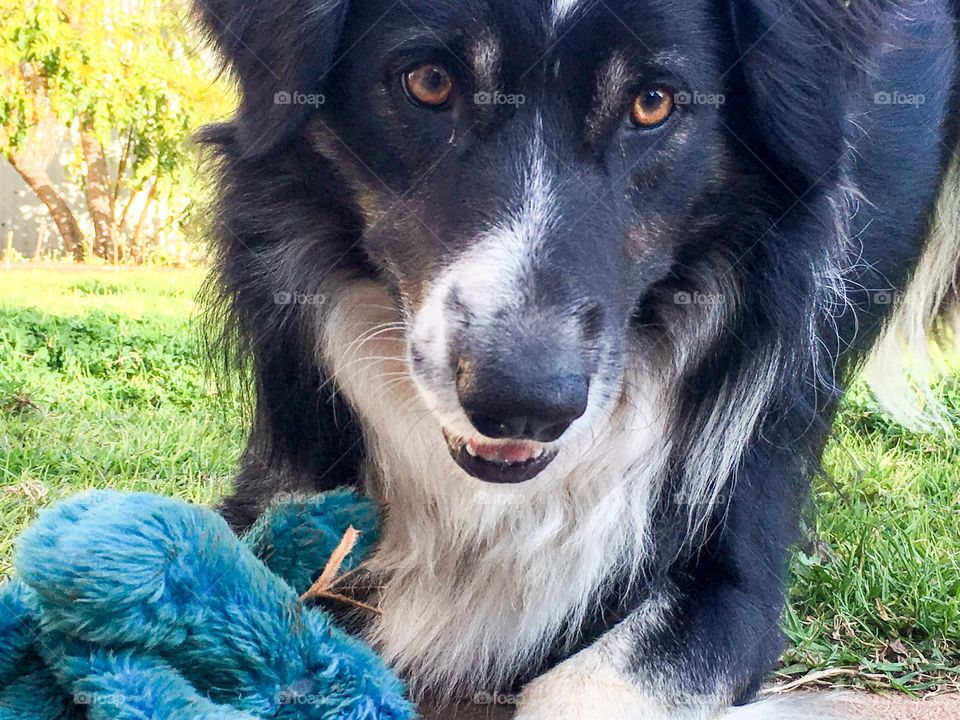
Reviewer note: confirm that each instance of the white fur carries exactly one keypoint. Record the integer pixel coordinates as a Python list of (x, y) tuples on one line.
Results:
[(487, 55), (586, 686), (835, 275), (727, 431), (562, 9), (595, 682), (799, 706), (478, 577), (730, 422), (900, 367), (521, 235)]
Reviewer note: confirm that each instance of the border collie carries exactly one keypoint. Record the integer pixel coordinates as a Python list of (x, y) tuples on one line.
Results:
[(573, 288)]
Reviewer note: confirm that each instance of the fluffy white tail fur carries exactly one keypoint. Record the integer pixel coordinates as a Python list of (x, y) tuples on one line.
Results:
[(904, 361)]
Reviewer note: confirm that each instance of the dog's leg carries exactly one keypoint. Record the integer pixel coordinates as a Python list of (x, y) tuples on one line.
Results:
[(604, 681), (584, 688), (709, 630), (607, 681), (591, 685)]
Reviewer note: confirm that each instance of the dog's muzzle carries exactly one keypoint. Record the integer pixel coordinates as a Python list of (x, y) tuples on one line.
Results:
[(519, 403)]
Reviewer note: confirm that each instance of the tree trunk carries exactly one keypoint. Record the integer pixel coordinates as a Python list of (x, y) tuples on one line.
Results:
[(36, 177), (42, 233), (99, 198), (136, 244)]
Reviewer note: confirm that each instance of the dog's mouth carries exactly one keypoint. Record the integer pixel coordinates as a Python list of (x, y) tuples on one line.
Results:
[(499, 461)]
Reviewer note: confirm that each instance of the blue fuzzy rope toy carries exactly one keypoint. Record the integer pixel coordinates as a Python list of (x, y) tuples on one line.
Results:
[(136, 607)]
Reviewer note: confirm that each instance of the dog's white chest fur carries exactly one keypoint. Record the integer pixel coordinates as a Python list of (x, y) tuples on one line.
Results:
[(480, 578)]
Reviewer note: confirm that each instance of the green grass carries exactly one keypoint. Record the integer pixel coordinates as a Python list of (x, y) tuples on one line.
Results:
[(102, 384), (879, 590)]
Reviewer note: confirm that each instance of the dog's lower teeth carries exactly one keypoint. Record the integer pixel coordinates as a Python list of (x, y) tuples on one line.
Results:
[(504, 462), (492, 455)]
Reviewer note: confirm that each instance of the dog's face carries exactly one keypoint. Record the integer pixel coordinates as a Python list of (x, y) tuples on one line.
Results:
[(525, 172), (536, 178)]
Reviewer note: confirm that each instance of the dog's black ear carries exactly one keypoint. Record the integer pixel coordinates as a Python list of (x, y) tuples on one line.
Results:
[(280, 51), (802, 61)]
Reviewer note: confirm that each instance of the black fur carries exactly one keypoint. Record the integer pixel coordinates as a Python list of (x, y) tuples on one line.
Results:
[(748, 207)]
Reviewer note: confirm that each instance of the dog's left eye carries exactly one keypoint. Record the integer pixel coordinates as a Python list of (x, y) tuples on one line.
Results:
[(429, 85)]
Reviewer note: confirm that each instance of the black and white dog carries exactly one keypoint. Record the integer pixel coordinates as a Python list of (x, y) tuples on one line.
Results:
[(573, 287)]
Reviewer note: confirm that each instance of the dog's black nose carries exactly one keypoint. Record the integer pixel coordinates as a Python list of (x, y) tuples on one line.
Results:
[(503, 401)]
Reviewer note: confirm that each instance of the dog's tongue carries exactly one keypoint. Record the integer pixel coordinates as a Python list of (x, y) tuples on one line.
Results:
[(502, 452)]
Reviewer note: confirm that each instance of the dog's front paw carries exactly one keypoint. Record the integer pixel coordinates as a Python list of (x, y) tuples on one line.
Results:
[(586, 691)]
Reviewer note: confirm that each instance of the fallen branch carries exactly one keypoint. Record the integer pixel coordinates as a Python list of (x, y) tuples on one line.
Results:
[(808, 679), (322, 586)]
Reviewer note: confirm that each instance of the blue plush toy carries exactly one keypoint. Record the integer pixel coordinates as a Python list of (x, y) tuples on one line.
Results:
[(134, 606)]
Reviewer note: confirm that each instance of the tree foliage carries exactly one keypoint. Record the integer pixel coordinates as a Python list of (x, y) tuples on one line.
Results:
[(121, 82)]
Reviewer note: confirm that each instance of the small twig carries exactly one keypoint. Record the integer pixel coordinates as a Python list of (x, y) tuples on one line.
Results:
[(321, 587), (350, 601), (809, 678), (332, 569)]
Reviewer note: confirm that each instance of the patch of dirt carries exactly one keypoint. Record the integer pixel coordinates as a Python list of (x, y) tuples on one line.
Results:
[(895, 707), (467, 711)]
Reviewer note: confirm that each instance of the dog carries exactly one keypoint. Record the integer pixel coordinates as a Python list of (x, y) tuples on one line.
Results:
[(573, 288)]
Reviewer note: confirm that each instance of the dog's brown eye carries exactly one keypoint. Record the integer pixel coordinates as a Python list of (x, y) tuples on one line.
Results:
[(652, 107), (429, 85)]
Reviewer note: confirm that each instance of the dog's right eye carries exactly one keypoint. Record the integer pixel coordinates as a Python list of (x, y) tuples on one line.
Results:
[(652, 108), (429, 85)]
